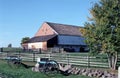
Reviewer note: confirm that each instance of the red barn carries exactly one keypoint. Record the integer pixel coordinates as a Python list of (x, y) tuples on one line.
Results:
[(52, 35)]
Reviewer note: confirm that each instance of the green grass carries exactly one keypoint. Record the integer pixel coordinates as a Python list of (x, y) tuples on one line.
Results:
[(21, 72)]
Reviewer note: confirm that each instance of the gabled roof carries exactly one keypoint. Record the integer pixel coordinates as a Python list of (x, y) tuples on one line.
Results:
[(41, 38), (63, 29)]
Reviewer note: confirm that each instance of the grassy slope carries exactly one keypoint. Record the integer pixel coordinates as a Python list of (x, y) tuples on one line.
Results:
[(27, 73)]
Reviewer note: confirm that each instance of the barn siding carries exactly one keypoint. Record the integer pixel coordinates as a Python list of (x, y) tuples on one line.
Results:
[(35, 45), (38, 45), (45, 30)]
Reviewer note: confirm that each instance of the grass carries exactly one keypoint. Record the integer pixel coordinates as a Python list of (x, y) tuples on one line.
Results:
[(8, 72)]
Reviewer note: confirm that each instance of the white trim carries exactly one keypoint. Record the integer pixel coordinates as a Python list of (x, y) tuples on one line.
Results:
[(52, 28)]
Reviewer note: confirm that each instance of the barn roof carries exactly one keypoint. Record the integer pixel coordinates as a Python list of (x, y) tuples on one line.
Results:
[(41, 38), (61, 29), (64, 29)]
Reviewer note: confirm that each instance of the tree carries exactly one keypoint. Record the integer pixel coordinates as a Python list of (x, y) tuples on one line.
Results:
[(25, 40), (10, 45), (102, 33)]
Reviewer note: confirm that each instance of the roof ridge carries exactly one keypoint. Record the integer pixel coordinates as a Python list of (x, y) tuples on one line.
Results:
[(64, 24)]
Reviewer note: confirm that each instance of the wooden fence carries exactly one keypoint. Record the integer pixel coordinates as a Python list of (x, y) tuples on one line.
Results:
[(81, 59)]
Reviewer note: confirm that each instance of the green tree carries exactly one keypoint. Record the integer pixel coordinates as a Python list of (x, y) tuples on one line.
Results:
[(25, 40), (10, 45), (102, 33)]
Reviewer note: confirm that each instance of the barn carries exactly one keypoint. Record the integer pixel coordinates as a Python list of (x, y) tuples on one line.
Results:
[(55, 35)]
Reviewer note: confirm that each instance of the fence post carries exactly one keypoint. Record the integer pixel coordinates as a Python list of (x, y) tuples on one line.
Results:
[(68, 59), (7, 53), (1, 49), (118, 72), (50, 56), (19, 54), (40, 50), (33, 56), (19, 58), (59, 50), (88, 60)]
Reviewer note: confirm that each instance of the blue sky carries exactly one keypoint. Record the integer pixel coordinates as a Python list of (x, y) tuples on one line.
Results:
[(21, 18)]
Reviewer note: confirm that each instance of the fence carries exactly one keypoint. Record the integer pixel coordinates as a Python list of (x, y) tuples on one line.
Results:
[(81, 59)]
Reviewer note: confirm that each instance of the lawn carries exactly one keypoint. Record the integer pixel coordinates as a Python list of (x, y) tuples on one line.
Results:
[(8, 72)]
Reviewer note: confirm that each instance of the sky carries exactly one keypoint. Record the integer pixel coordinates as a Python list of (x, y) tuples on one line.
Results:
[(23, 18)]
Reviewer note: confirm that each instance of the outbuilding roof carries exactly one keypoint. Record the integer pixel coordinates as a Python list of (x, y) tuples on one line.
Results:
[(41, 38)]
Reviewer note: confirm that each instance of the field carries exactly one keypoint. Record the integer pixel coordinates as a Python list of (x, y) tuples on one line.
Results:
[(8, 72)]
